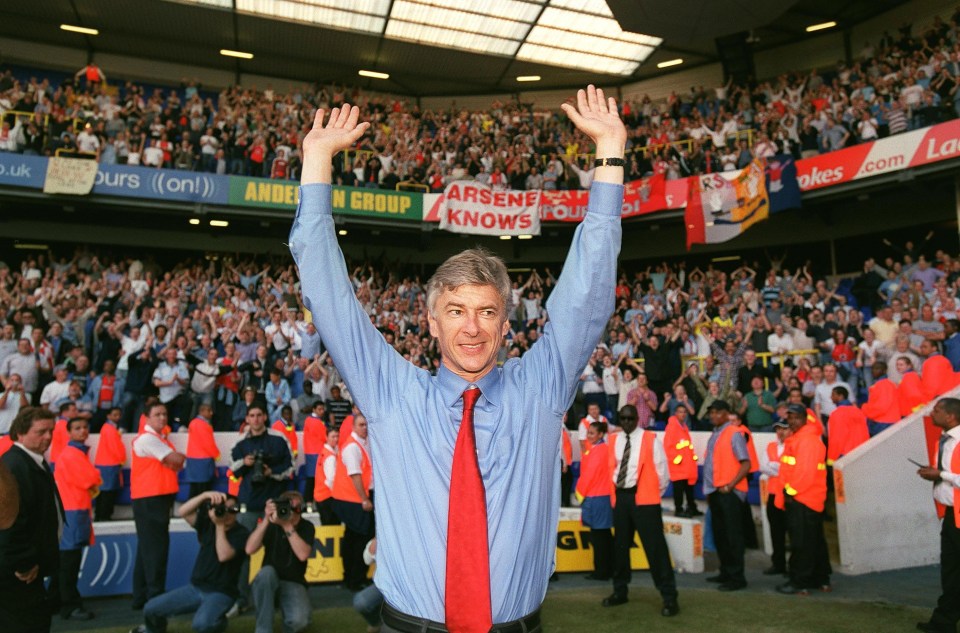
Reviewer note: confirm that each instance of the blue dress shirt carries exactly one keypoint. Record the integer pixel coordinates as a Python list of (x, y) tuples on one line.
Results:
[(414, 417)]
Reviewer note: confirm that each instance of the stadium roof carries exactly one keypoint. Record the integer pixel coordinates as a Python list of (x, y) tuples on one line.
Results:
[(429, 47)]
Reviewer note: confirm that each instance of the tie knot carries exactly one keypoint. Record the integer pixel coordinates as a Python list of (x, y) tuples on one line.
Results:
[(470, 398)]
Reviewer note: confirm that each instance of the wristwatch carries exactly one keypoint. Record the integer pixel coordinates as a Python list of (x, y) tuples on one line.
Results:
[(609, 162), (290, 533)]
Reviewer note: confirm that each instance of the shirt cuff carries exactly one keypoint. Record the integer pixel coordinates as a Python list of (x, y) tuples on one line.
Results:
[(606, 199), (312, 197), (951, 478)]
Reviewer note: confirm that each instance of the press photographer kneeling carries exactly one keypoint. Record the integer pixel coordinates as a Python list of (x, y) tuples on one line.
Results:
[(287, 542), (213, 583)]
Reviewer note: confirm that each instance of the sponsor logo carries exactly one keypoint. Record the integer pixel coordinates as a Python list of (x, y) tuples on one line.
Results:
[(884, 164), (199, 185), (820, 177), (946, 149), (22, 171), (117, 179)]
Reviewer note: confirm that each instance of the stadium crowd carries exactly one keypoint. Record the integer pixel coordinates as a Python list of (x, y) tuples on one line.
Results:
[(907, 81)]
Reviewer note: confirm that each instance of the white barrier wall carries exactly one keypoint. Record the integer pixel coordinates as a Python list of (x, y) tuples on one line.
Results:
[(885, 513)]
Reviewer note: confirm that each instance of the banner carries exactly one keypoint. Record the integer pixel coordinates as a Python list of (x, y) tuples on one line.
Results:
[(723, 205), (161, 184), (475, 208), (74, 176), (782, 183), (284, 194), (20, 170)]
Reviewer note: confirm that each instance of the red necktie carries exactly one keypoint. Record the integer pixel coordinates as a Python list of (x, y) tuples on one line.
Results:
[(467, 603)]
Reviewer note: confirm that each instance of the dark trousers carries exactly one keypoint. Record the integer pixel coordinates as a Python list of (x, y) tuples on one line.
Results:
[(24, 608), (326, 512), (777, 519), (647, 522), (682, 488), (104, 504), (151, 515), (601, 541), (566, 483), (66, 580), (809, 559), (309, 489), (726, 519), (947, 613), (358, 530)]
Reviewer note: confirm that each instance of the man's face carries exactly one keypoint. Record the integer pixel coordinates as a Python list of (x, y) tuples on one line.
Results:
[(79, 431), (469, 325), (157, 418), (38, 438), (170, 355), (257, 420), (796, 421), (360, 427), (628, 421), (594, 411), (333, 437), (830, 373), (941, 419), (718, 417), (23, 346)]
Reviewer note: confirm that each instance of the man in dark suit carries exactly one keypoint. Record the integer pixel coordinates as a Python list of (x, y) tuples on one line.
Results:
[(29, 549)]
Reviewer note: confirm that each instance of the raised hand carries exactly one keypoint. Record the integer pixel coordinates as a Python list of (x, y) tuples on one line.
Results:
[(324, 141), (597, 117)]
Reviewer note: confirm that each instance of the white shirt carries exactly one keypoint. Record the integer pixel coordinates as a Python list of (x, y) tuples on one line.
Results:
[(943, 490), (822, 395), (330, 467), (611, 380), (353, 456), (53, 393), (151, 444), (768, 468), (585, 424), (636, 447)]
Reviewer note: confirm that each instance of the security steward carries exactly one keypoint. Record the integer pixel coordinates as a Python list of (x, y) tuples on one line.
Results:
[(640, 475), (803, 474), (153, 486), (946, 482)]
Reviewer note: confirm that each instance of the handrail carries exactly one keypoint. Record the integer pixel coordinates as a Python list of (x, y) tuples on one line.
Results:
[(410, 183)]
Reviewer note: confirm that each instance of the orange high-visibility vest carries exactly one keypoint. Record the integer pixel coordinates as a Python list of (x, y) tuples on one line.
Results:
[(847, 429), (954, 468), (60, 438), (725, 462), (233, 484), (343, 484), (595, 476), (289, 432), (314, 435), (803, 469), (110, 448), (883, 404), (774, 482), (321, 491), (648, 481), (938, 376), (200, 440), (149, 477), (910, 393), (75, 477), (681, 458), (5, 444), (567, 447)]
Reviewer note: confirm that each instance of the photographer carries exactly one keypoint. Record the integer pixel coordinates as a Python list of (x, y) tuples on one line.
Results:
[(213, 584), (288, 543), (262, 458)]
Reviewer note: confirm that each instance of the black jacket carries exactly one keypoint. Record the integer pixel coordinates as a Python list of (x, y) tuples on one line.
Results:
[(33, 538)]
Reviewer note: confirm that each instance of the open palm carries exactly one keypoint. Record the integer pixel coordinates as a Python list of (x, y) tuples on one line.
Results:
[(597, 116)]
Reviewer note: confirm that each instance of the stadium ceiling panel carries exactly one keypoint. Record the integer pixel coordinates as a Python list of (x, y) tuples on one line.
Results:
[(580, 34)]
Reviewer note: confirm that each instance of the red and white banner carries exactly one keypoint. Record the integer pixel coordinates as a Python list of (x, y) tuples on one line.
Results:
[(903, 151), (475, 208)]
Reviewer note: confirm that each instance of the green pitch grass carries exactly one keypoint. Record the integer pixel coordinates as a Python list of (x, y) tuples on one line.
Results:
[(579, 611)]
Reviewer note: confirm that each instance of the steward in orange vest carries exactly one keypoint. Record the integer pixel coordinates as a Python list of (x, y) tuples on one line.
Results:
[(639, 475), (153, 485), (353, 501), (314, 437), (727, 463), (882, 407), (776, 517), (938, 376), (846, 428), (61, 436), (202, 452), (78, 482), (285, 426), (566, 460), (109, 460), (594, 492), (803, 473), (326, 472), (682, 461), (945, 475)]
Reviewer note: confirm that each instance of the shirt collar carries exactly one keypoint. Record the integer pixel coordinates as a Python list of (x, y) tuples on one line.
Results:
[(37, 457), (79, 445), (452, 386), (954, 433)]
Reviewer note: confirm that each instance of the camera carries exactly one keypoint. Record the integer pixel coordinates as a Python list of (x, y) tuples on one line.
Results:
[(220, 510), (284, 508), (257, 475)]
